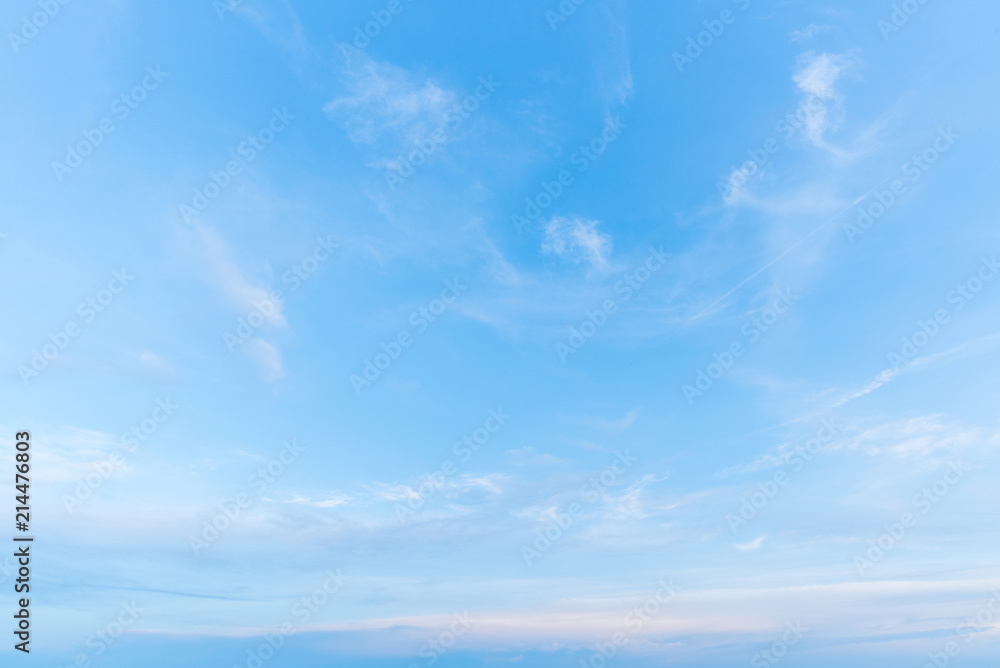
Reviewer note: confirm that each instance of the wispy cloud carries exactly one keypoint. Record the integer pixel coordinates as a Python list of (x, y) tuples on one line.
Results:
[(331, 500), (616, 69), (620, 425), (267, 357), (973, 347), (578, 240), (244, 295), (629, 504), (752, 545), (808, 32), (386, 103), (816, 78)]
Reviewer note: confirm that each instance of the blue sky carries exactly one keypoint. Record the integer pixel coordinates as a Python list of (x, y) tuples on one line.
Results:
[(504, 329)]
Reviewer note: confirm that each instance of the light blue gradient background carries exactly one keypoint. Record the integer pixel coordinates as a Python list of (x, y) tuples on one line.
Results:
[(882, 101)]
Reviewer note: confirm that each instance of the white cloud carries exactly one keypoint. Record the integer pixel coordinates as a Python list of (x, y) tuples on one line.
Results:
[(157, 365), (809, 32), (752, 545), (921, 436), (817, 78), (973, 347), (381, 491), (615, 73), (386, 102), (267, 357), (530, 456), (228, 277), (577, 239), (617, 426), (818, 74), (503, 271), (737, 181), (629, 505), (448, 487), (332, 500)]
